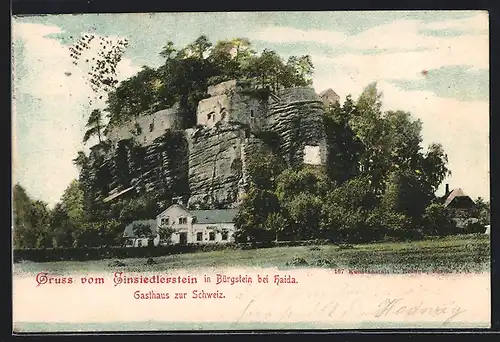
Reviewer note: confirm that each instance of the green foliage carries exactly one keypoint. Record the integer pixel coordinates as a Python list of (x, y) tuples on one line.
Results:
[(263, 167), (253, 212), (95, 126), (188, 71), (165, 234), (142, 230), (31, 220), (437, 220), (482, 209)]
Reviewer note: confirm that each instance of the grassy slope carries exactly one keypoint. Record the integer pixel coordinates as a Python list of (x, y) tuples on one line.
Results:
[(450, 254)]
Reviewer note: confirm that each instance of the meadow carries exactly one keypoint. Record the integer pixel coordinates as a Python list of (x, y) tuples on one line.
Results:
[(465, 253)]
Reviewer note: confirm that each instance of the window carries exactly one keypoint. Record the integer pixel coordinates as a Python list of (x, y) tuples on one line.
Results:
[(199, 236), (182, 220), (209, 116), (151, 126), (212, 236), (165, 221), (251, 113), (224, 236)]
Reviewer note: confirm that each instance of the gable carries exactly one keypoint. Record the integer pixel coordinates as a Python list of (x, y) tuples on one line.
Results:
[(458, 197), (175, 210)]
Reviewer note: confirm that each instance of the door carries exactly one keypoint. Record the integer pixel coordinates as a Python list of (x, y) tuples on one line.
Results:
[(183, 238)]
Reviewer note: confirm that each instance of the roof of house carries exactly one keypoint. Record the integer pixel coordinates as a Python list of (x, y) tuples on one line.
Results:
[(214, 216), (454, 194), (329, 90), (175, 205), (129, 230)]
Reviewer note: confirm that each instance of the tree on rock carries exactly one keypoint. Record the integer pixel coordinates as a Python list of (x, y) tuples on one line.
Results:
[(95, 126)]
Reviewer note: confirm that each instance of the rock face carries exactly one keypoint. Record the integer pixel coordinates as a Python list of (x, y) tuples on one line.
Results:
[(296, 116), (146, 128), (215, 165), (207, 163)]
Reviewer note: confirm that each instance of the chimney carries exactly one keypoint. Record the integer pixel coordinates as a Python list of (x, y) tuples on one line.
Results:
[(447, 190)]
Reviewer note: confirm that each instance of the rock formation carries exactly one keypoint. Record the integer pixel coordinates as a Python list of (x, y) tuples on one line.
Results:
[(205, 164)]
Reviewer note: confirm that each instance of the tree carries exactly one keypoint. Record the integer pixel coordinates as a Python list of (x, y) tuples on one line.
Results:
[(73, 202), (168, 50), (165, 234), (344, 147), (94, 126), (142, 230), (304, 211), (63, 228), (437, 221), (199, 47), (305, 180), (263, 168), (276, 223), (483, 210), (406, 194), (256, 206), (434, 166), (30, 219)]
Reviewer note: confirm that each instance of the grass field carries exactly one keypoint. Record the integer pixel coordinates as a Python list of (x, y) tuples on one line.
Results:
[(467, 253)]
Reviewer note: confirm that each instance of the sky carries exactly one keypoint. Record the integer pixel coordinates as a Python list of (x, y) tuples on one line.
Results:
[(349, 51)]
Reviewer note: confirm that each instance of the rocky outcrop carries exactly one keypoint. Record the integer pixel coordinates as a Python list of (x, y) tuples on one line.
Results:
[(207, 163), (147, 127), (215, 165), (296, 116)]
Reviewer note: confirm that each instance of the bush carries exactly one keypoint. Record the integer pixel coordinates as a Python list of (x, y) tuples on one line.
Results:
[(99, 253)]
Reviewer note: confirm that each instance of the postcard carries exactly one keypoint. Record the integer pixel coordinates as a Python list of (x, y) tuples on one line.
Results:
[(251, 171)]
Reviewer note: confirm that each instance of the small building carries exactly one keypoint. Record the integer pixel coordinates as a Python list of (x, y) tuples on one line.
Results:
[(458, 199), (132, 239), (329, 97), (198, 226), (461, 205)]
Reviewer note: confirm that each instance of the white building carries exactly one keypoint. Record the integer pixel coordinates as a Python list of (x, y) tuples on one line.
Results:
[(198, 226)]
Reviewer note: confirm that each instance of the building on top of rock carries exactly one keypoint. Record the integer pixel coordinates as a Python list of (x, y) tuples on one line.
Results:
[(329, 97), (232, 101), (145, 129)]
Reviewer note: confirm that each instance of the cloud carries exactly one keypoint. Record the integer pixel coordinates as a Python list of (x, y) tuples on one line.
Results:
[(477, 23), (278, 34), (399, 46), (462, 127), (401, 50), (51, 108)]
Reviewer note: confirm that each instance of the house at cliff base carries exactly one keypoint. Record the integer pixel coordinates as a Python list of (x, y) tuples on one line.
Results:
[(188, 226), (198, 226)]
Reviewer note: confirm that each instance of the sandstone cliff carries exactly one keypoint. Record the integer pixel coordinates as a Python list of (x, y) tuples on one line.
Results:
[(206, 163)]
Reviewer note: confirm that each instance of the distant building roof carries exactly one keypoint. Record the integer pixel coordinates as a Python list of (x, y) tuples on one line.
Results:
[(456, 193), (129, 230), (214, 216), (329, 90)]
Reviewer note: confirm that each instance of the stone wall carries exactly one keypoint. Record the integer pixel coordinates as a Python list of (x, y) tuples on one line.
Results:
[(146, 128), (232, 104)]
